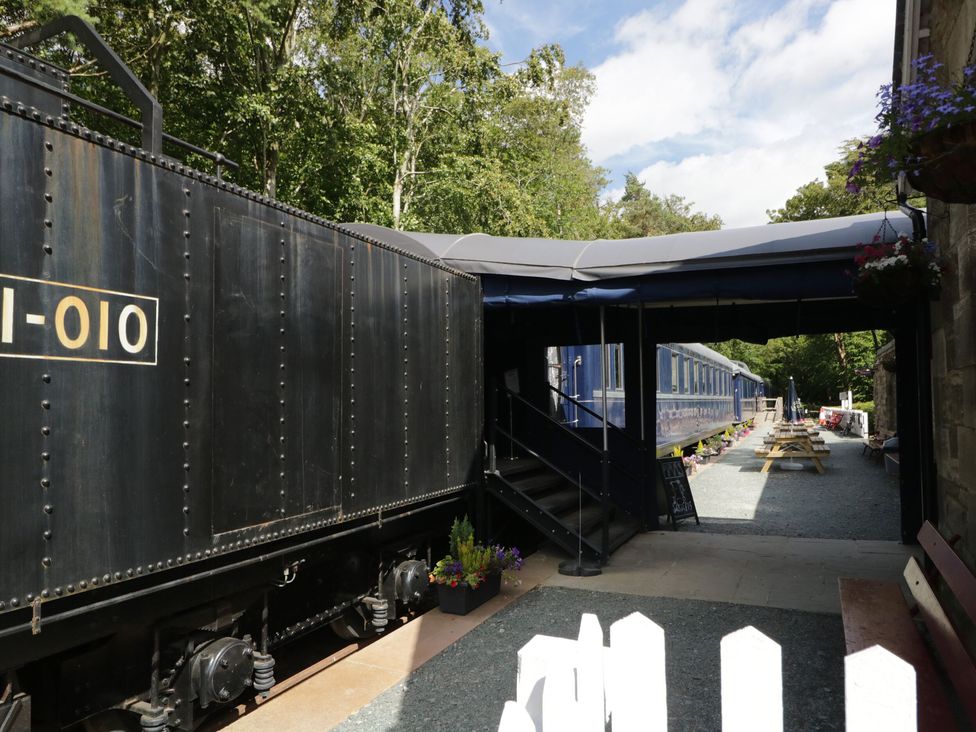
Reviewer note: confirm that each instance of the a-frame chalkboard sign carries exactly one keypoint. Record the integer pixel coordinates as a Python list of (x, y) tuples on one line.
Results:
[(681, 504)]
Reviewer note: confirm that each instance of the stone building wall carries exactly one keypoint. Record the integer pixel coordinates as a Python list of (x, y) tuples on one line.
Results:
[(953, 228), (885, 401)]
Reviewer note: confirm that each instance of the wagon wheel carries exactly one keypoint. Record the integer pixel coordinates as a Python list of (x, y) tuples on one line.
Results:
[(350, 624), (111, 721)]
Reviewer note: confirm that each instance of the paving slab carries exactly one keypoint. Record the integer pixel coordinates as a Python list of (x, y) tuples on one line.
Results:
[(784, 572)]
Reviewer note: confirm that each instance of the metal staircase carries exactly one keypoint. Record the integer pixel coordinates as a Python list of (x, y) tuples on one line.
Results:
[(576, 517)]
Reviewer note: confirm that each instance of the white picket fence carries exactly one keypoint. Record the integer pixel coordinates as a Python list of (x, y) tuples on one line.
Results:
[(579, 686)]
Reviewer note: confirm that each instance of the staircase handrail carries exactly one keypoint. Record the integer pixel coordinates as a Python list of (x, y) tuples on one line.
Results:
[(568, 478), (620, 430), (579, 438)]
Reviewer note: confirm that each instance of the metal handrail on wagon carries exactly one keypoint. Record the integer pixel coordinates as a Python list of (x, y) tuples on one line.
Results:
[(151, 125)]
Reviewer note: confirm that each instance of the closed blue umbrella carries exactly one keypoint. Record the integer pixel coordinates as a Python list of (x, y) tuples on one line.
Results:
[(792, 404)]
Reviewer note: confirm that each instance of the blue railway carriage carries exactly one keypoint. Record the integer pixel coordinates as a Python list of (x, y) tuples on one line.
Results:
[(694, 394), (577, 371), (749, 392), (699, 391)]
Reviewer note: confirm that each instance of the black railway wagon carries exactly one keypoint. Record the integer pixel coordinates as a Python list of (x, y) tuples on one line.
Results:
[(225, 421)]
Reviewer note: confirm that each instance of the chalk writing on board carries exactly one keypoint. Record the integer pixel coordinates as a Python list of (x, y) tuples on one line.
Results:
[(681, 504)]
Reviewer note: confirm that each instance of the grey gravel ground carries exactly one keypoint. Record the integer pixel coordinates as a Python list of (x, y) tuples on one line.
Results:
[(465, 687), (853, 499)]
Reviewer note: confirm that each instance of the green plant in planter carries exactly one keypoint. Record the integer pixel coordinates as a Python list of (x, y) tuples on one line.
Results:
[(461, 531), (470, 563), (926, 130)]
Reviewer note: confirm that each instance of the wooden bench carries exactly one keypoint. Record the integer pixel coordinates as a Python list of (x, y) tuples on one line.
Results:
[(876, 613), (874, 446)]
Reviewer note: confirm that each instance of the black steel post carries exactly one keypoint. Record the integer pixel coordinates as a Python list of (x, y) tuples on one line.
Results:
[(910, 473), (492, 426), (644, 486), (605, 507)]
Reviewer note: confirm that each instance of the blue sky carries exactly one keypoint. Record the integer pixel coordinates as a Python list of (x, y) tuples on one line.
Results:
[(733, 104)]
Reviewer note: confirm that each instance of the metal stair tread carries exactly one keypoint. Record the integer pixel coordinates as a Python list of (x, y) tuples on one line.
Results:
[(586, 519), (558, 501), (621, 529), (537, 482), (509, 468)]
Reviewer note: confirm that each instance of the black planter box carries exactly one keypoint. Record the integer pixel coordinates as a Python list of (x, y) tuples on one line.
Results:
[(462, 599)]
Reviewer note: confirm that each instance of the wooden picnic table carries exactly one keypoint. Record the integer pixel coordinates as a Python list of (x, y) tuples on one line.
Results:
[(798, 447), (775, 437)]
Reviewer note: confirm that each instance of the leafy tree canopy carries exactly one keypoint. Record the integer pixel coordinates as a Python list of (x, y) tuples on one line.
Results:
[(388, 111), (642, 213), (819, 200)]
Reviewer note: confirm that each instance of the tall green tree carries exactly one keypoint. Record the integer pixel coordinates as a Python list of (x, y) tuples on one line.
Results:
[(822, 200), (642, 213)]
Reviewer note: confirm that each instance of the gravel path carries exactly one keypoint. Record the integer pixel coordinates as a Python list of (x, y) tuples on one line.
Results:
[(853, 499), (465, 687)]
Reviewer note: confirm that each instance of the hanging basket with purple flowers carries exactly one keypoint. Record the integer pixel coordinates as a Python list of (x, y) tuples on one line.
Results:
[(927, 130)]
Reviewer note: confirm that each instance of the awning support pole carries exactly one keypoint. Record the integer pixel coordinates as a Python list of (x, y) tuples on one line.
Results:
[(644, 488), (605, 458)]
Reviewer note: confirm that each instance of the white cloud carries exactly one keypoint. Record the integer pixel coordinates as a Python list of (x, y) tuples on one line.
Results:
[(741, 184), (765, 101)]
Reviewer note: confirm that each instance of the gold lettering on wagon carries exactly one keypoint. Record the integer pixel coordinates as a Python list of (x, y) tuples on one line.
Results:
[(40, 319)]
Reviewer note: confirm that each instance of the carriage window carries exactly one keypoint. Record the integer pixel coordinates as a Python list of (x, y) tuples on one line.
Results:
[(693, 382), (674, 372), (615, 366), (687, 383)]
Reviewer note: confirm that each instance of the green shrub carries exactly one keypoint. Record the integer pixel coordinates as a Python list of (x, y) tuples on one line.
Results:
[(869, 408)]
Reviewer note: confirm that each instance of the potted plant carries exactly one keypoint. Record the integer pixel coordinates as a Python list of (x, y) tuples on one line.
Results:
[(703, 452), (471, 573), (926, 130), (901, 271)]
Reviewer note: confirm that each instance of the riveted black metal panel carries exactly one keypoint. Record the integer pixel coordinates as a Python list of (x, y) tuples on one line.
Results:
[(376, 386), (247, 391), (115, 226), (463, 347), (425, 368), (196, 332), (22, 519), (315, 367)]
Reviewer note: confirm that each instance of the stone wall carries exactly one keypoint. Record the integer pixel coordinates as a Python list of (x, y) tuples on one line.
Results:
[(953, 228), (885, 403)]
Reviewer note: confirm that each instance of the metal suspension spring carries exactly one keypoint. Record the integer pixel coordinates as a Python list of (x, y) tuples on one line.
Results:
[(153, 721), (264, 678), (380, 610)]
